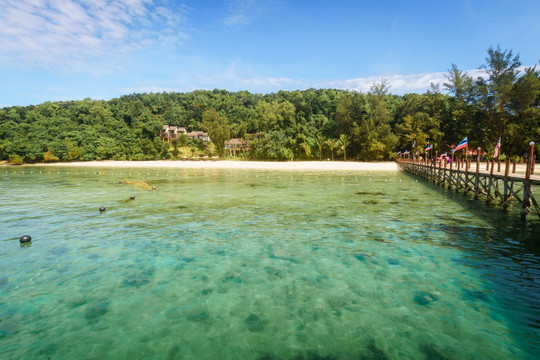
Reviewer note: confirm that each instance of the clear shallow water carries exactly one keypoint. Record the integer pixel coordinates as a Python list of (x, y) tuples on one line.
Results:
[(236, 264)]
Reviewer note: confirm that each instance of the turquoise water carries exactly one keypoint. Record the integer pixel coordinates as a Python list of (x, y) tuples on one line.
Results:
[(231, 264)]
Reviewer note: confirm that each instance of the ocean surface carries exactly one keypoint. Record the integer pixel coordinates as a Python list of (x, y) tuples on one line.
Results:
[(238, 264)]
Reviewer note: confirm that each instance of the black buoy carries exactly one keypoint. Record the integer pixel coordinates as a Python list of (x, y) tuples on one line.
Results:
[(25, 239), (132, 197), (102, 209)]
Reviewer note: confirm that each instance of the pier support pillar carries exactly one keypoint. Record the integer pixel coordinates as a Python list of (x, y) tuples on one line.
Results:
[(526, 201)]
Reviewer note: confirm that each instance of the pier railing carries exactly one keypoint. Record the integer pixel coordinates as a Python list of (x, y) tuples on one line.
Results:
[(497, 182)]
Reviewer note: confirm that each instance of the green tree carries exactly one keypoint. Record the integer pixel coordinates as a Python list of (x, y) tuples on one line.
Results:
[(332, 144), (273, 145), (525, 101), (275, 115), (218, 129), (175, 151), (344, 142), (495, 92), (320, 141), (374, 135), (462, 114)]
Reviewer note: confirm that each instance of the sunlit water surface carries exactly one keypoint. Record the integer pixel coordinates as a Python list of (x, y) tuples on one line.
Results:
[(231, 264)]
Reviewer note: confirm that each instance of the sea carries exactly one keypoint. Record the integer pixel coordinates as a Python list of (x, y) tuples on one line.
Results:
[(244, 264)]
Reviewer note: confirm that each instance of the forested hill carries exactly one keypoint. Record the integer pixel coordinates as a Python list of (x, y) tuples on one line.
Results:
[(308, 124)]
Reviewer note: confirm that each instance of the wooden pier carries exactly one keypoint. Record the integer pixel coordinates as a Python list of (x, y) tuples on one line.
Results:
[(492, 181)]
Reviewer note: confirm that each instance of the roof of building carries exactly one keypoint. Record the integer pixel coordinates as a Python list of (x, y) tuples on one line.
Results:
[(234, 141), (197, 133)]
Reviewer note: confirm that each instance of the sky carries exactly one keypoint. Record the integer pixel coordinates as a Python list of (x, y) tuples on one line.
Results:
[(61, 50)]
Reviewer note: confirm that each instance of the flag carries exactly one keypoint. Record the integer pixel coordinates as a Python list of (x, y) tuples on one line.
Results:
[(399, 152), (429, 147), (427, 143), (497, 148), (414, 143), (461, 145)]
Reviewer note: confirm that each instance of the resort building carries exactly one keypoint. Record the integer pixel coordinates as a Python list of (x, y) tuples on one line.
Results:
[(198, 135), (234, 145), (169, 133)]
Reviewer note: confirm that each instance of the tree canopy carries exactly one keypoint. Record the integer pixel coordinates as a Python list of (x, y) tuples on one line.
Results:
[(502, 101)]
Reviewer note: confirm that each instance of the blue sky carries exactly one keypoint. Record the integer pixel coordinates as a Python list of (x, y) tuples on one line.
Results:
[(55, 50)]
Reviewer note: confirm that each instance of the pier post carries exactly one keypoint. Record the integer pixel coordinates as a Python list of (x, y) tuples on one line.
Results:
[(505, 203), (444, 172), (477, 180), (529, 161), (486, 183), (478, 161), (436, 171), (489, 183), (525, 205)]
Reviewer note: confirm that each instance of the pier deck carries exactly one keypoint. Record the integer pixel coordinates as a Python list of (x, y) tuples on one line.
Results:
[(497, 183)]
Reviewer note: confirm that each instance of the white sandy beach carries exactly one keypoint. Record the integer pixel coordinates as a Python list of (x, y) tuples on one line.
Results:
[(229, 164)]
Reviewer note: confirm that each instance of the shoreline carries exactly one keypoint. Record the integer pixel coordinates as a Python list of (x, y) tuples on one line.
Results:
[(232, 164)]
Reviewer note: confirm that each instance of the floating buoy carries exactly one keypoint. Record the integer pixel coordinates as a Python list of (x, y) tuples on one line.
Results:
[(25, 239), (102, 209)]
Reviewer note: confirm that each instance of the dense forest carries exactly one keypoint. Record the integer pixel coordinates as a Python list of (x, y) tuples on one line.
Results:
[(502, 102)]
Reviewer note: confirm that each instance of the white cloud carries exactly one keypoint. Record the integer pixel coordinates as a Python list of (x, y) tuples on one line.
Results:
[(399, 84), (242, 12), (239, 76), (77, 35), (232, 79)]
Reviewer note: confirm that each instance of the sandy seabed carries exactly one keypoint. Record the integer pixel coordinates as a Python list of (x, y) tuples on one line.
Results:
[(228, 164)]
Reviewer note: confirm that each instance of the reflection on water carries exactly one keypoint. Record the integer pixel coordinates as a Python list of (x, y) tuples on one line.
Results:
[(260, 265)]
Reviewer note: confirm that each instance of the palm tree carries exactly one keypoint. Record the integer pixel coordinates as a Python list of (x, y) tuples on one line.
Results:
[(332, 143), (307, 149), (320, 143), (344, 141)]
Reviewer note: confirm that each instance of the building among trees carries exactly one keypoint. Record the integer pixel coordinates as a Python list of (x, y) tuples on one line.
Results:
[(199, 135), (236, 145), (169, 133)]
